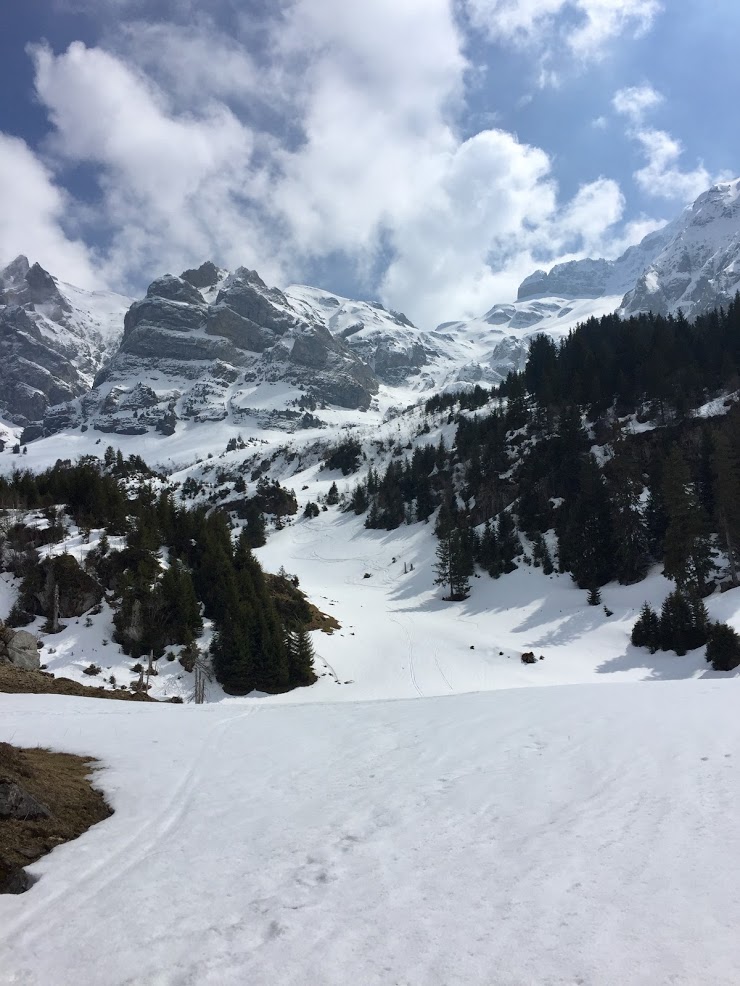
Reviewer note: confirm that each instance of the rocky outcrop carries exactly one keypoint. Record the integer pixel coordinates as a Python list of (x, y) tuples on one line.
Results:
[(194, 344), (576, 279), (49, 349), (78, 591), (699, 266), (19, 648), (17, 803)]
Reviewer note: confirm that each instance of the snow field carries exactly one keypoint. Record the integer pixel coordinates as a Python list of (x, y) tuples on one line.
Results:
[(559, 836)]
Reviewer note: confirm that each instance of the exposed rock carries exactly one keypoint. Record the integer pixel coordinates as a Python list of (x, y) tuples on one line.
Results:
[(13, 879), (49, 349), (20, 648), (78, 591), (205, 276), (17, 803)]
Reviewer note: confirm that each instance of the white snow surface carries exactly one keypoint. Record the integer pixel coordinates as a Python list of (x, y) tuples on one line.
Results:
[(537, 836)]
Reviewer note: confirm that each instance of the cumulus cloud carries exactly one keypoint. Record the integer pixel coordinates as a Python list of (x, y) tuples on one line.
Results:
[(635, 101), (174, 186), (584, 27), (32, 216), (661, 176), (338, 137)]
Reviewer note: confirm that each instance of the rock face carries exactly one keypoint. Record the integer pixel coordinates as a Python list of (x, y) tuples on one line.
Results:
[(53, 339), (20, 648), (693, 263), (699, 266), (78, 591), (13, 879), (386, 341), (577, 279), (197, 345), (17, 803)]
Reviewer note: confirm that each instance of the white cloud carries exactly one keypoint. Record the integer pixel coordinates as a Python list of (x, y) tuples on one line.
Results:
[(32, 214), (174, 186), (584, 27), (343, 141), (635, 101), (661, 176)]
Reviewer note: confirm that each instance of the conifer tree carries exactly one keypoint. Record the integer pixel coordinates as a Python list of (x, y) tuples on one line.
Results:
[(300, 658), (726, 466), (723, 647), (683, 622), (452, 566), (646, 631), (509, 545), (687, 559), (631, 551)]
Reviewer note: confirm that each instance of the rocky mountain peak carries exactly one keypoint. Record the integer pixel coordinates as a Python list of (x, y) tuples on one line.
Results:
[(205, 276), (15, 272)]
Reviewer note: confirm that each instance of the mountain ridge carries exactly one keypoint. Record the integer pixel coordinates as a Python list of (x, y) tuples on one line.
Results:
[(200, 345)]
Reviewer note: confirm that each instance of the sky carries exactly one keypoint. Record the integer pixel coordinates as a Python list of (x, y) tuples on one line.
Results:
[(426, 153)]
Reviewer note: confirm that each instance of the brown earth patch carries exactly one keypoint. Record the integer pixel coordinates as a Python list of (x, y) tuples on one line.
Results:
[(14, 681), (61, 782)]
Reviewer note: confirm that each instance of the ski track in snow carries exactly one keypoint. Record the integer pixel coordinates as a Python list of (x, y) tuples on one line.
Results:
[(559, 836)]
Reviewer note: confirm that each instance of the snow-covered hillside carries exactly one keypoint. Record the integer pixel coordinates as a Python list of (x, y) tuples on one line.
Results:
[(569, 835)]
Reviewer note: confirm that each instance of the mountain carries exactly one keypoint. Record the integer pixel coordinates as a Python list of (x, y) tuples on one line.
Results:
[(217, 345), (54, 338), (693, 264), (198, 346), (699, 265)]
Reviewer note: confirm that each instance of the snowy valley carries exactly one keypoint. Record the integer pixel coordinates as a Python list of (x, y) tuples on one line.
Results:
[(432, 809)]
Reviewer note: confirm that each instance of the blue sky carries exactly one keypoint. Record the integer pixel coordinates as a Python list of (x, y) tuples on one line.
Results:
[(429, 153)]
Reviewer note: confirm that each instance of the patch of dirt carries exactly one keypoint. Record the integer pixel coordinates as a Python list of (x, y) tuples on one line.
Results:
[(61, 782), (295, 609), (14, 681), (322, 621)]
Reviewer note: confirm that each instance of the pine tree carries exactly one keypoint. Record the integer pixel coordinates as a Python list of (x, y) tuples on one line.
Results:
[(452, 566), (631, 544), (726, 466), (646, 631), (683, 622), (586, 536), (688, 558), (300, 658), (332, 497), (723, 647), (509, 545)]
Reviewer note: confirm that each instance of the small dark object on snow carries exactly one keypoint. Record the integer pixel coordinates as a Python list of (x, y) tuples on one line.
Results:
[(367, 575), (542, 657), (472, 646), (529, 658), (500, 653)]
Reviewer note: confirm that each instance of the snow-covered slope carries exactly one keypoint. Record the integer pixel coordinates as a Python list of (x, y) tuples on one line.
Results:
[(560, 836), (699, 266)]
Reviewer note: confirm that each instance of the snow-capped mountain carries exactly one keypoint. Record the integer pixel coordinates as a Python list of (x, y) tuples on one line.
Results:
[(213, 345), (699, 265), (54, 338)]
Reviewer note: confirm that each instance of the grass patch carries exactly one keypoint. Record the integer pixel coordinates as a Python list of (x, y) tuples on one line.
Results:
[(61, 782)]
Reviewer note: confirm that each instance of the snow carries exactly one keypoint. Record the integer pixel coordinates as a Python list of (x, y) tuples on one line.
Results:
[(560, 836), (400, 639)]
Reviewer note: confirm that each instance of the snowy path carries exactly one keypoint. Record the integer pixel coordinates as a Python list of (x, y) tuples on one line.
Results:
[(532, 836)]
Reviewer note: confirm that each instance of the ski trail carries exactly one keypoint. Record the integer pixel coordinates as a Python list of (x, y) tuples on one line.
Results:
[(412, 669), (439, 668), (141, 844)]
